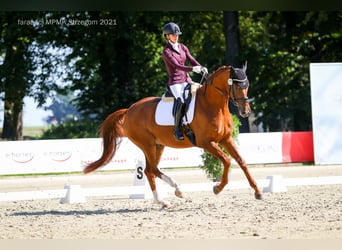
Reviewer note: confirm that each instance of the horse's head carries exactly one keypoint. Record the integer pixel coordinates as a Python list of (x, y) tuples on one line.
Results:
[(238, 85), (233, 85)]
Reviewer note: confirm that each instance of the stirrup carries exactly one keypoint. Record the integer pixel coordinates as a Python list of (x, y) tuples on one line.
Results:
[(178, 136)]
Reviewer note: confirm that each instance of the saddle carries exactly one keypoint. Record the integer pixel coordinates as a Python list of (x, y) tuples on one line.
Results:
[(166, 109)]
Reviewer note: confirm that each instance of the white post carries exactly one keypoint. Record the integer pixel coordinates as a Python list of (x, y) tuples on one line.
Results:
[(276, 184), (139, 180), (74, 194)]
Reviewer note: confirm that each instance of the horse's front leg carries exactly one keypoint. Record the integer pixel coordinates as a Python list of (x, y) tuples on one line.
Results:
[(224, 179), (216, 151), (230, 146)]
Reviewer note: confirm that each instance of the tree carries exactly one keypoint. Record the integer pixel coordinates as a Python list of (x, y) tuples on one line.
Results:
[(115, 65), (26, 68), (280, 46), (110, 66), (107, 66), (16, 72), (232, 35)]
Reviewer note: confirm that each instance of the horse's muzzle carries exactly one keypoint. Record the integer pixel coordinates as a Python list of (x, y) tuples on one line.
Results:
[(244, 110), (245, 114)]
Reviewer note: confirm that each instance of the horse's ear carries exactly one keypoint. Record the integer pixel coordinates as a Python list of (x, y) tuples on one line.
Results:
[(244, 67)]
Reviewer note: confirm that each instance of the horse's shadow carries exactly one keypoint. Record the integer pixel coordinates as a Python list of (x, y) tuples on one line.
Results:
[(102, 211), (78, 212)]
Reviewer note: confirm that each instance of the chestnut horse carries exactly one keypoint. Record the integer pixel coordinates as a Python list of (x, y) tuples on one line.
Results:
[(212, 125)]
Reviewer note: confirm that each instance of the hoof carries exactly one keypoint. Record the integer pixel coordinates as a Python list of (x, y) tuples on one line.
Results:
[(165, 206), (179, 194), (163, 203), (216, 190), (258, 196)]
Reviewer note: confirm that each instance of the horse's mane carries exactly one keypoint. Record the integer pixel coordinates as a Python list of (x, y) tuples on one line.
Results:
[(212, 75)]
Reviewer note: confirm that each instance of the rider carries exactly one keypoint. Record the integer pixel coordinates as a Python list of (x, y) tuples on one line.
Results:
[(175, 55)]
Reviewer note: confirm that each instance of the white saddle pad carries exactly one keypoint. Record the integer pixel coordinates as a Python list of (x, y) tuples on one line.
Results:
[(164, 115)]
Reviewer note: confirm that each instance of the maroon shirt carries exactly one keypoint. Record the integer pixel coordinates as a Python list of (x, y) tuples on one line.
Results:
[(175, 63)]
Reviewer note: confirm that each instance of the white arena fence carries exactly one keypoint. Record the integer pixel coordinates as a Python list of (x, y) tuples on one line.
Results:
[(76, 194)]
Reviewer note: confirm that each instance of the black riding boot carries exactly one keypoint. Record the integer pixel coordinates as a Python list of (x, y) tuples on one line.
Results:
[(178, 115)]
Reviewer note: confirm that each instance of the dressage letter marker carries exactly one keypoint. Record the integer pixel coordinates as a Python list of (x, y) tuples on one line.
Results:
[(140, 181), (74, 194), (276, 184)]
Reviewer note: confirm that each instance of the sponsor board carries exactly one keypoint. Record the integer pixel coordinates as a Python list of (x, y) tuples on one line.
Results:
[(53, 156)]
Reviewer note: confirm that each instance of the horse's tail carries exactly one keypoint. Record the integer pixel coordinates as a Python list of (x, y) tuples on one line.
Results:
[(110, 130)]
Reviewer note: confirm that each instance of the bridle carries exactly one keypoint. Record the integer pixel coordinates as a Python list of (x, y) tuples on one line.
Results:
[(241, 83)]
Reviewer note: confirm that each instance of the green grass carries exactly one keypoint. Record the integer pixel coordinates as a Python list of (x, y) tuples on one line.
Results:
[(40, 174), (33, 133), (66, 173)]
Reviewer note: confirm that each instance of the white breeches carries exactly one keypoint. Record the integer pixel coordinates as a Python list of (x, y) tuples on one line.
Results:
[(178, 90)]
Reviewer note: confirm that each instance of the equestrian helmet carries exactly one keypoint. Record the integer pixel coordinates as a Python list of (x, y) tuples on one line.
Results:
[(171, 28)]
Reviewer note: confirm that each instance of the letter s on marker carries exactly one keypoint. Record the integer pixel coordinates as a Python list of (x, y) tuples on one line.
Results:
[(140, 174)]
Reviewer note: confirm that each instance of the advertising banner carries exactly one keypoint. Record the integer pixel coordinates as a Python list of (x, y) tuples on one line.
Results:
[(72, 155)]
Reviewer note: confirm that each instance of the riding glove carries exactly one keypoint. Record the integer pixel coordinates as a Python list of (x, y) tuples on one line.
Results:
[(200, 69), (204, 70)]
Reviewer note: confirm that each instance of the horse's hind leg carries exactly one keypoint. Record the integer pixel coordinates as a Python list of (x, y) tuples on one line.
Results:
[(151, 177), (173, 184), (153, 154), (163, 176), (232, 150)]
